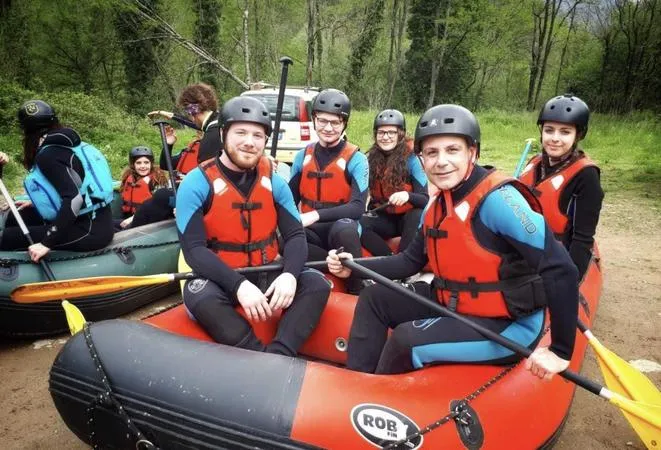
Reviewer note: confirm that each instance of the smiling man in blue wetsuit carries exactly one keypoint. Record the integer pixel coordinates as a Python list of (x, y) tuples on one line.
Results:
[(493, 258), (228, 211)]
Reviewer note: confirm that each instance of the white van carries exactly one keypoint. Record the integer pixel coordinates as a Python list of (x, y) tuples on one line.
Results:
[(296, 127)]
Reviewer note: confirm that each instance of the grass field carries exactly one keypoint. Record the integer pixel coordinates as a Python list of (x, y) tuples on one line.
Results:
[(625, 147)]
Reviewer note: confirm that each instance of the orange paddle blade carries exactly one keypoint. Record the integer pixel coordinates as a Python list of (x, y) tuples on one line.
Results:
[(83, 287)]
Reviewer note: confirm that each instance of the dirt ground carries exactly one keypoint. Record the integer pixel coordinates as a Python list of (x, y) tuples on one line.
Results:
[(628, 322)]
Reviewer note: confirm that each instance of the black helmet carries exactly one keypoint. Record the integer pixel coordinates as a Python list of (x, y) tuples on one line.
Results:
[(35, 115), (448, 119), (245, 109), (139, 152), (566, 109), (334, 102), (390, 117)]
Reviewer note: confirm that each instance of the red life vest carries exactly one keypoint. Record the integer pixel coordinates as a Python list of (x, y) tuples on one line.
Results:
[(325, 188), (135, 193), (188, 157), (549, 190), (241, 230), (468, 277), (380, 195)]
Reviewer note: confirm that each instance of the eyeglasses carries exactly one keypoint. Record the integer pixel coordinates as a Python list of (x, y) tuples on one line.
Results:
[(383, 133), (323, 122)]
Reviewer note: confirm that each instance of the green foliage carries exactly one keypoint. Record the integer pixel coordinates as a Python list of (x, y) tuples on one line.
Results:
[(207, 26)]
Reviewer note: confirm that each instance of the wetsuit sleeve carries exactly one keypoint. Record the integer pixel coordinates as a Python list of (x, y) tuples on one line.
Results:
[(193, 195), (587, 197), (65, 172), (358, 169), (295, 176), (420, 195), (211, 142), (295, 250), (182, 120), (162, 162), (508, 215)]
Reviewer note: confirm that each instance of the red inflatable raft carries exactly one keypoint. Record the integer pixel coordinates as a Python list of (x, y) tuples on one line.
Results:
[(178, 392)]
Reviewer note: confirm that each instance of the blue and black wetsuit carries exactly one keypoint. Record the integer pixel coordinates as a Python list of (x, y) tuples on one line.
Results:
[(376, 230), (421, 337), (211, 300)]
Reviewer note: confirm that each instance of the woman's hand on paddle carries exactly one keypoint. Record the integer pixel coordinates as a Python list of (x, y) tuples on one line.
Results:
[(170, 135), (22, 204), (37, 251), (155, 114), (4, 159), (282, 291), (309, 218), (543, 363), (126, 223), (399, 198), (254, 302), (335, 264)]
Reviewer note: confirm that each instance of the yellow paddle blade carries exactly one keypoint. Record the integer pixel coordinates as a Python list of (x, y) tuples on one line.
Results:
[(623, 378), (82, 287), (643, 417), (75, 318)]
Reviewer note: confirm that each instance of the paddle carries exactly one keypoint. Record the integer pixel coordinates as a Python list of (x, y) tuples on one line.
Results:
[(24, 229), (645, 418), (282, 168), (372, 212), (524, 155), (83, 287), (166, 149)]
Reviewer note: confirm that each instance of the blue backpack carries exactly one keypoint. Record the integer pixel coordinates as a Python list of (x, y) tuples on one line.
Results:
[(96, 188)]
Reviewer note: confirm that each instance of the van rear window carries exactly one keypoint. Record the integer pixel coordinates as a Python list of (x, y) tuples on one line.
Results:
[(290, 109)]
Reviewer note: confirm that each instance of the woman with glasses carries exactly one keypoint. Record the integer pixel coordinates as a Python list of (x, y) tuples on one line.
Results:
[(200, 104), (330, 179), (397, 182)]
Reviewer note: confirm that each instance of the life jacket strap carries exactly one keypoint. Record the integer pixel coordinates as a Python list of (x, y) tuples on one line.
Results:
[(216, 245)]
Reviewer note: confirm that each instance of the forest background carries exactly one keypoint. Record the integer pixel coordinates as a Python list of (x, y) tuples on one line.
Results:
[(105, 63)]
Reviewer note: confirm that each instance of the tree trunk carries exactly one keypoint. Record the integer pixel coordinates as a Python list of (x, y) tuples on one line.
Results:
[(310, 42), (564, 51), (246, 41), (438, 62), (318, 58), (401, 27)]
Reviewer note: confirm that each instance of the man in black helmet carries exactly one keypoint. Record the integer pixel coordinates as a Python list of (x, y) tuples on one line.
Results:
[(493, 258), (330, 180), (228, 211)]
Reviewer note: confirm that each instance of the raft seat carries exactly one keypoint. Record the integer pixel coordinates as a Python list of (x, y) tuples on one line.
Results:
[(328, 342)]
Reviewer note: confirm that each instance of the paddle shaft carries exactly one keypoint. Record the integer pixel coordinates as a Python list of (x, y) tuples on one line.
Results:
[(522, 159), (511, 345), (24, 229), (168, 158), (285, 61)]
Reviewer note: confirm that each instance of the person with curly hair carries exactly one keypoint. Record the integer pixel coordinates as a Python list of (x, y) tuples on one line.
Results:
[(200, 103), (398, 185)]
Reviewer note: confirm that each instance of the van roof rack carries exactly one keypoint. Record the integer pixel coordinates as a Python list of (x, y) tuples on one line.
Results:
[(263, 85)]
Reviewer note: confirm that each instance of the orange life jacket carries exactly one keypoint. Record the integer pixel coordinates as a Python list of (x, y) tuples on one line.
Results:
[(380, 195), (188, 158), (549, 190), (135, 193), (241, 231), (469, 278), (328, 187)]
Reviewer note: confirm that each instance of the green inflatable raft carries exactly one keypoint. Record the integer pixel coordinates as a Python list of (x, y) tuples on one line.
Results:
[(145, 250)]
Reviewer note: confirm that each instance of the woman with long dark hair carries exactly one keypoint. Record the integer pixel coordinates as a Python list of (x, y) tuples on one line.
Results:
[(69, 185), (565, 179), (396, 180)]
